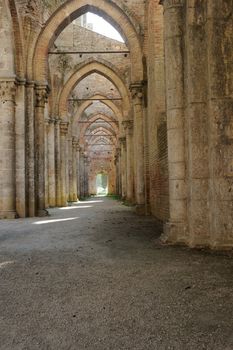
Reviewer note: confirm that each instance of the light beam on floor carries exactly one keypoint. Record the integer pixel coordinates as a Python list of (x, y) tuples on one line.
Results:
[(53, 221), (76, 207)]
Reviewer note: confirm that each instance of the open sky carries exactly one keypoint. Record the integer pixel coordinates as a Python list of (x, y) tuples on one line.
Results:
[(103, 27)]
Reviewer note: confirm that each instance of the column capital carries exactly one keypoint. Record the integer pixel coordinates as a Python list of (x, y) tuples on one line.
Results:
[(42, 93), (122, 140), (50, 121), (171, 3), (128, 124), (46, 121), (57, 121), (86, 159), (137, 89), (75, 143), (7, 90), (64, 128)]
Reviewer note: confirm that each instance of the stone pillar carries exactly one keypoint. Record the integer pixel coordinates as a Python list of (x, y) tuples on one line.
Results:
[(176, 229), (7, 149), (197, 124), (30, 149), (220, 112), (81, 173), (20, 150), (51, 164), (57, 163), (122, 141), (70, 167), (117, 165), (46, 163), (86, 179), (128, 125), (75, 148), (137, 97), (78, 170), (41, 98), (63, 162)]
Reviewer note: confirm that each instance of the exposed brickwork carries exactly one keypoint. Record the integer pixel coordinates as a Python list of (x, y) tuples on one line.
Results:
[(166, 144)]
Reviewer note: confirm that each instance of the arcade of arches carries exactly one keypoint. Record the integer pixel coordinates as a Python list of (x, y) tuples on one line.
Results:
[(152, 113)]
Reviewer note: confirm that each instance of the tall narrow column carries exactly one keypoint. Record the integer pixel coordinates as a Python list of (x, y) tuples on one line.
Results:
[(78, 169), (117, 165), (51, 163), (197, 124), (74, 169), (176, 229), (58, 162), (41, 98), (7, 149), (128, 125), (46, 164), (220, 111), (20, 149), (81, 173), (30, 149), (86, 179), (137, 96), (70, 166), (63, 143), (123, 167)]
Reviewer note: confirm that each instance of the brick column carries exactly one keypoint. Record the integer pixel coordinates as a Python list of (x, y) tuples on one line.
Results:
[(128, 126), (7, 149), (41, 98), (63, 161), (137, 98)]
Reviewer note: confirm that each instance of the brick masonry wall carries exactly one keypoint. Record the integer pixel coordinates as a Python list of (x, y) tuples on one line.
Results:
[(76, 38)]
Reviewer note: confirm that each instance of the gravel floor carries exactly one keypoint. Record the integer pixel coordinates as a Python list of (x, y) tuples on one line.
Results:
[(94, 276)]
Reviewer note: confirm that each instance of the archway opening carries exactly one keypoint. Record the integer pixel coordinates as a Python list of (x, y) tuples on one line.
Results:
[(102, 184)]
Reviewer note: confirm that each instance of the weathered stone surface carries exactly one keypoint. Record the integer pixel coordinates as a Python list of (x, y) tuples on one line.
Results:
[(155, 117)]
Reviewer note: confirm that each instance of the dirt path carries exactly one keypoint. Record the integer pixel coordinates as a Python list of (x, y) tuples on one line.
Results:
[(93, 276)]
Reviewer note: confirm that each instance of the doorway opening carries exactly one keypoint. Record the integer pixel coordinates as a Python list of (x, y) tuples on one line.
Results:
[(102, 184)]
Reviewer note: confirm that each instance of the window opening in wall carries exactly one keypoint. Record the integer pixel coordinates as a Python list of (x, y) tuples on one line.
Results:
[(102, 184), (98, 25)]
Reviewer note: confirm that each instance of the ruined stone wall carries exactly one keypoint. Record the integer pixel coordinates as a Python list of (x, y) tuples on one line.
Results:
[(105, 164), (76, 38)]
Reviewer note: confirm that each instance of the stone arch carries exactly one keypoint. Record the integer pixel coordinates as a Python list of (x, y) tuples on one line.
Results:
[(93, 119), (20, 68), (87, 69), (71, 10), (87, 104), (105, 119), (7, 57)]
